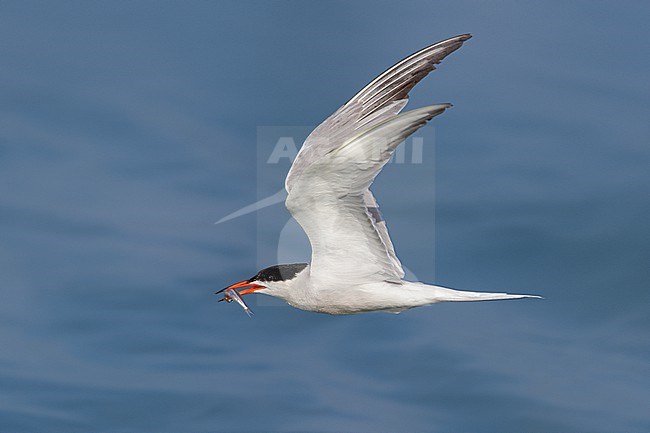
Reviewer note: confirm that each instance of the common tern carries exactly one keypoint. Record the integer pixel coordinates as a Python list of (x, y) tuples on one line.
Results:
[(354, 267)]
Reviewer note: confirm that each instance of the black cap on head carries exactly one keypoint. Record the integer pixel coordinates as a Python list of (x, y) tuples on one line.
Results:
[(279, 272)]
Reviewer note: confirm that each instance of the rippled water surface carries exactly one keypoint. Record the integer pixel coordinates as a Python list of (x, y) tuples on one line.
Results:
[(128, 129)]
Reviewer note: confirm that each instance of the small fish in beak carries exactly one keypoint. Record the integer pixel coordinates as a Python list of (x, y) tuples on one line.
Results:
[(232, 295)]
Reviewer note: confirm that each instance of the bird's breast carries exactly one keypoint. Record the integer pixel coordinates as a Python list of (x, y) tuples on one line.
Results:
[(352, 299)]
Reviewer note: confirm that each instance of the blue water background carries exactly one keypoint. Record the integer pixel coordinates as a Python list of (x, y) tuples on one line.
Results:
[(128, 128)]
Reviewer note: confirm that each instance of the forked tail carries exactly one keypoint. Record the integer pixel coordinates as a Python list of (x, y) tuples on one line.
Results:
[(444, 294)]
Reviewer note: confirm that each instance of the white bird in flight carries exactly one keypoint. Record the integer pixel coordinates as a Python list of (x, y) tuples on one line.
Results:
[(353, 267)]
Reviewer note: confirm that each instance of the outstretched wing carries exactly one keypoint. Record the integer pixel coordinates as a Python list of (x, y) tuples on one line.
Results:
[(330, 201), (383, 98)]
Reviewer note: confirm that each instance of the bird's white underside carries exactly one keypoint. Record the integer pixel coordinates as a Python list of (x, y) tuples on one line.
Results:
[(341, 298)]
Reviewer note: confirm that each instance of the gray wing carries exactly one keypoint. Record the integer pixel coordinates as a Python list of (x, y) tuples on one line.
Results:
[(382, 98), (330, 201)]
